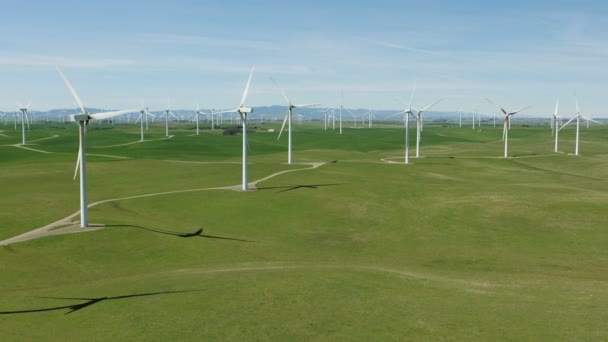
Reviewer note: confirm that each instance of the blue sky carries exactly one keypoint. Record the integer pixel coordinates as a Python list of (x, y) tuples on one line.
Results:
[(118, 53)]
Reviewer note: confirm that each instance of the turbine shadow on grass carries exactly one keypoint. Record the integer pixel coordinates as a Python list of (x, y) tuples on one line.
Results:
[(295, 187), (197, 233), (88, 302)]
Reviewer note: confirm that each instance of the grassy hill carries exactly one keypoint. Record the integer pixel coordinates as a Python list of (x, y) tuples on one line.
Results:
[(459, 245)]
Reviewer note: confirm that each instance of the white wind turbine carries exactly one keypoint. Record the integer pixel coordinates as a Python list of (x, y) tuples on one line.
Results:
[(341, 106), (24, 118), (167, 114), (288, 119), (327, 111), (370, 119), (243, 111), (419, 119), (197, 113), (460, 118), (83, 119), (474, 111), (578, 116), (554, 123), (143, 116), (505, 129), (407, 111)]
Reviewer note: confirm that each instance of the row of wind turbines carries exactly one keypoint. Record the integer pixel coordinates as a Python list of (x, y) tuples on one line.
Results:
[(84, 117)]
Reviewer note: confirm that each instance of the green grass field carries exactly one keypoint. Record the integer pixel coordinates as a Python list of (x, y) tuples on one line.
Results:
[(460, 245)]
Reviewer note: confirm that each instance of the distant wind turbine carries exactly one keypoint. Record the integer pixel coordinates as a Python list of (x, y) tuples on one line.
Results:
[(167, 114), (554, 124), (419, 119), (341, 107), (407, 111), (578, 116), (197, 113), (505, 130), (288, 119), (24, 118)]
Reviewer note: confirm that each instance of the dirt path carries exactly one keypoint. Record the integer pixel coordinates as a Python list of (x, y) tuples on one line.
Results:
[(51, 137), (67, 225), (31, 149), (132, 143)]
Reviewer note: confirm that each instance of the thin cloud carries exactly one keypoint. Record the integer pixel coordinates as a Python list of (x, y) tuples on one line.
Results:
[(50, 61)]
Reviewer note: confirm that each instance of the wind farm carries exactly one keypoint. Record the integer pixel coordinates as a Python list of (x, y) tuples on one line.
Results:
[(304, 172)]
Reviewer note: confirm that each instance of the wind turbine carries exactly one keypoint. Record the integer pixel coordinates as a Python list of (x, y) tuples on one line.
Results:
[(578, 116), (288, 119), (341, 106), (370, 119), (419, 124), (23, 109), (197, 113), (143, 116), (167, 113), (460, 118), (407, 111), (505, 130), (474, 111), (243, 111), (554, 123), (83, 119)]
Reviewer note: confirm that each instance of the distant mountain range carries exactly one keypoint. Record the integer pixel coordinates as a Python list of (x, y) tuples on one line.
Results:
[(276, 113)]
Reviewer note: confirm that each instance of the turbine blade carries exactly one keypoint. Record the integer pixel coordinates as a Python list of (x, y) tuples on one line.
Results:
[(276, 84), (246, 91), (306, 105), (77, 161), (566, 124), (227, 111), (521, 110), (556, 107), (403, 103), (429, 106), (27, 120), (74, 94), (590, 119), (388, 117), (412, 96), (283, 126), (107, 115), (497, 106)]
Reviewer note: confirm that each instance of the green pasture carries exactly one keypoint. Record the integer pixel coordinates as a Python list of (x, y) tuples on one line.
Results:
[(459, 245)]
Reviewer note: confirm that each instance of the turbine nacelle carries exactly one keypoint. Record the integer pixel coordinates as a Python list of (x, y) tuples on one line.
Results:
[(80, 117)]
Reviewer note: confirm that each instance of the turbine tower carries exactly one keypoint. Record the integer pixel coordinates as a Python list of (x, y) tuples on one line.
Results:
[(167, 113), (143, 116), (24, 119), (578, 116), (407, 111), (243, 111), (554, 122), (419, 124), (288, 119), (83, 119), (197, 113), (505, 130), (341, 106)]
